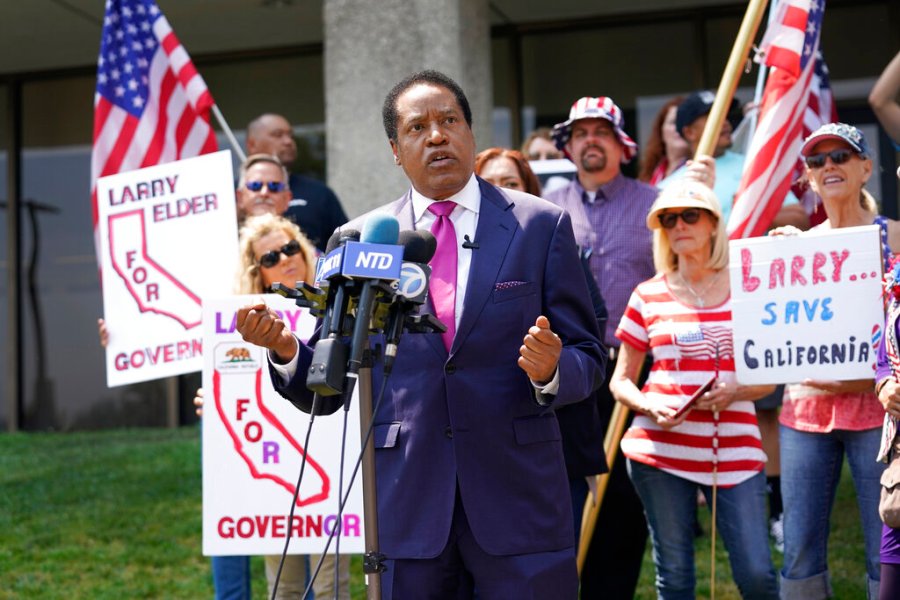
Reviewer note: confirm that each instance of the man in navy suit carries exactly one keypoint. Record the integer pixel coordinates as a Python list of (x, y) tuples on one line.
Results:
[(471, 482)]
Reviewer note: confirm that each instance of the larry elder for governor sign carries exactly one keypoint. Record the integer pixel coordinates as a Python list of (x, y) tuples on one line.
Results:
[(168, 237), (807, 306), (253, 446)]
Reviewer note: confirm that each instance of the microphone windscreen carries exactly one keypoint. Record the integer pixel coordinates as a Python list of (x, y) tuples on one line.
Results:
[(333, 241), (419, 247), (380, 229), (405, 237)]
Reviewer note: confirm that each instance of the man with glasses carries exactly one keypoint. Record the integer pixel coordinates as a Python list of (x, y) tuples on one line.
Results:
[(609, 213), (262, 187), (313, 206)]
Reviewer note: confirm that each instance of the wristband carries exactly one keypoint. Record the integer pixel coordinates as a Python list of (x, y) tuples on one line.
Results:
[(880, 385)]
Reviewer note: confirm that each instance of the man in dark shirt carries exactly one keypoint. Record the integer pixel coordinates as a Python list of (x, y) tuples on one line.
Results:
[(314, 207)]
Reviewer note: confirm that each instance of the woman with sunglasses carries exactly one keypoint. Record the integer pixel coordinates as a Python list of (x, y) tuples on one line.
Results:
[(682, 316), (822, 421)]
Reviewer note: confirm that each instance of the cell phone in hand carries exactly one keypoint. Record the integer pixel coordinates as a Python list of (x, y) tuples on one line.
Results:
[(689, 403)]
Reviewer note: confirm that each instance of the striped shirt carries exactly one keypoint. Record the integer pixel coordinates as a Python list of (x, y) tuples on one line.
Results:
[(683, 341), (612, 228)]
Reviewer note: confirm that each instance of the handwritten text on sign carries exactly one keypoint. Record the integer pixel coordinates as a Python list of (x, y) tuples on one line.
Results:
[(807, 306)]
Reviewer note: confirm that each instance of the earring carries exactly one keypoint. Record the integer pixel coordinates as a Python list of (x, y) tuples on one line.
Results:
[(396, 160)]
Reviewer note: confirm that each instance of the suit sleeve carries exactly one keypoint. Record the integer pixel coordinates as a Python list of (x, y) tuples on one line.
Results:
[(567, 304), (296, 391)]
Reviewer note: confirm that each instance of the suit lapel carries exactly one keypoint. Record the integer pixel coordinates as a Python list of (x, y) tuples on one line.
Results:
[(402, 209), (496, 226)]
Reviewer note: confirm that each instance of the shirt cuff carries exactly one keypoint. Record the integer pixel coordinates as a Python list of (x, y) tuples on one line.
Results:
[(287, 370), (551, 388)]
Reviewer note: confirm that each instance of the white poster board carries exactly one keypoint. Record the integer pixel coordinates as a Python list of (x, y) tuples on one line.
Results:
[(807, 306), (253, 447), (168, 239)]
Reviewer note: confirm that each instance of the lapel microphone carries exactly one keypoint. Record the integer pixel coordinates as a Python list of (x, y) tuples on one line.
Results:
[(469, 244)]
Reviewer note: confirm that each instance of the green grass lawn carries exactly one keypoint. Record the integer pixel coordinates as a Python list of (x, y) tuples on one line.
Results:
[(116, 514)]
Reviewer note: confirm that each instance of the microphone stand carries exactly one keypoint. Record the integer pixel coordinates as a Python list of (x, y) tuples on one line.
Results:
[(373, 560)]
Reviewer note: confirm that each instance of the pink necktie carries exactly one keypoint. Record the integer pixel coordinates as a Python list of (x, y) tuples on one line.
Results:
[(442, 286)]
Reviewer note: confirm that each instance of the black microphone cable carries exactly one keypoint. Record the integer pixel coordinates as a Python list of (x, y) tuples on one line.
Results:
[(287, 540), (346, 497)]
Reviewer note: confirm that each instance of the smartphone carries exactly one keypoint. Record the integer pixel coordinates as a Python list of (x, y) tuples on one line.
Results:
[(689, 403)]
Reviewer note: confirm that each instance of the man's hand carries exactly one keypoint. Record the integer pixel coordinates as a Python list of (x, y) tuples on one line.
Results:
[(540, 352), (702, 170), (260, 325)]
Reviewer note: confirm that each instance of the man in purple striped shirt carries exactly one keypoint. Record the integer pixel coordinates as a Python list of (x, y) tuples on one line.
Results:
[(609, 214)]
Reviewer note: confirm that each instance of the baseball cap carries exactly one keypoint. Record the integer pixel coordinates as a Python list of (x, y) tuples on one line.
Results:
[(699, 104), (837, 131)]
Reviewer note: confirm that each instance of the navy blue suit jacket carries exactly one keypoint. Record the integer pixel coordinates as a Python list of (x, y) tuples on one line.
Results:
[(469, 419)]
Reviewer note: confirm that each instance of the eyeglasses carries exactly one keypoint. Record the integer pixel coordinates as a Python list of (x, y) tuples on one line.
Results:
[(274, 186), (670, 219), (271, 258), (838, 157)]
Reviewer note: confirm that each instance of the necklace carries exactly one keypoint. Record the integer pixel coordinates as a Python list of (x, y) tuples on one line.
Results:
[(699, 296)]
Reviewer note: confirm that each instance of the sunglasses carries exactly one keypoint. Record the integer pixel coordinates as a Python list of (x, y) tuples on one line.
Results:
[(274, 186), (670, 219), (271, 258), (838, 157)]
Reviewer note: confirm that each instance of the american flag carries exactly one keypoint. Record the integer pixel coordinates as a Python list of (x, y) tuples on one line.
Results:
[(151, 106), (706, 342), (797, 99)]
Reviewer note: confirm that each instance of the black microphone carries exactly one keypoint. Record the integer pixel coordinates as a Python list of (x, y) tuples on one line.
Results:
[(339, 288), (329, 362), (412, 288), (469, 244)]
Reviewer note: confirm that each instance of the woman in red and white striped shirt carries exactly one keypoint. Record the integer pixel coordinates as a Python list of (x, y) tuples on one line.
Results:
[(682, 316)]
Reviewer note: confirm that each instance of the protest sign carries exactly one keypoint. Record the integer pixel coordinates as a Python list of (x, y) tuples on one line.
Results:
[(168, 236), (807, 306), (253, 446)]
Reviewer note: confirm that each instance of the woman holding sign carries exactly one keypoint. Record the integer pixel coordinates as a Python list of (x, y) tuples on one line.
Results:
[(273, 249), (821, 421), (695, 427)]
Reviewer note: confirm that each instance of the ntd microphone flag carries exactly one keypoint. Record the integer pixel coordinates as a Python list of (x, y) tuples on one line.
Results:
[(372, 261)]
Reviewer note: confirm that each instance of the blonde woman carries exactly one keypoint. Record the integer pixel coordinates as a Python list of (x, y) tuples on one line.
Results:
[(682, 316)]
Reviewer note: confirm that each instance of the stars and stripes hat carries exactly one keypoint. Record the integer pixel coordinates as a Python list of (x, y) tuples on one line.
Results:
[(837, 131), (595, 108)]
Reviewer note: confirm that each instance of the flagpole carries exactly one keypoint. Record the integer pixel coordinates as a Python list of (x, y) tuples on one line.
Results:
[(761, 76), (728, 84), (613, 437), (228, 133)]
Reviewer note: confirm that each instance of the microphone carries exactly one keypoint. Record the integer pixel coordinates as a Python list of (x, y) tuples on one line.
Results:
[(316, 299), (330, 278), (411, 290), (374, 259), (469, 244), (328, 367)]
